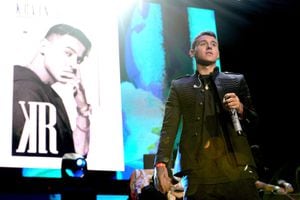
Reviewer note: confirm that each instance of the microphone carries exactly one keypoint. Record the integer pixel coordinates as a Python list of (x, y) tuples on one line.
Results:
[(236, 122), (235, 119), (285, 185)]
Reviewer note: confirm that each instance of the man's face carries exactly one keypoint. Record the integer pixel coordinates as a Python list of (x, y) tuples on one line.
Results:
[(62, 57), (206, 51)]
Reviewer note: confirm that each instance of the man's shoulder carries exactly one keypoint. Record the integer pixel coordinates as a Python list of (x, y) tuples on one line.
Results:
[(232, 74), (22, 73), (184, 77), (26, 84)]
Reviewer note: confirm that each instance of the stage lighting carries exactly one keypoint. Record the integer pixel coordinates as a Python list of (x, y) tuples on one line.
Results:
[(73, 166)]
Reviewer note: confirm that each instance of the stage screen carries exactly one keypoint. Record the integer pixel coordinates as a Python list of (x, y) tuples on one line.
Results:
[(137, 49), (26, 23)]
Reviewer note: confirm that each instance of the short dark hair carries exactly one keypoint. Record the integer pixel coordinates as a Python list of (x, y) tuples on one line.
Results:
[(209, 33), (65, 29)]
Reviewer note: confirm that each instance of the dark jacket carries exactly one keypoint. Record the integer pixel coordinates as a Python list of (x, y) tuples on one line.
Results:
[(183, 103)]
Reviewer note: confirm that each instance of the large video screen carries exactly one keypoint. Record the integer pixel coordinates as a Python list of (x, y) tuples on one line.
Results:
[(137, 48), (46, 114)]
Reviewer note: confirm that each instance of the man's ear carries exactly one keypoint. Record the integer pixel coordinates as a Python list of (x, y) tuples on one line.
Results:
[(192, 53), (43, 46)]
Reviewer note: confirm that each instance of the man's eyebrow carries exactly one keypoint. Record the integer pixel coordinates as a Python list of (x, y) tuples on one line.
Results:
[(79, 58), (204, 40), (72, 49)]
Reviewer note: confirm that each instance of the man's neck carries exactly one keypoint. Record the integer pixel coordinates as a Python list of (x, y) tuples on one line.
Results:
[(37, 66), (205, 70)]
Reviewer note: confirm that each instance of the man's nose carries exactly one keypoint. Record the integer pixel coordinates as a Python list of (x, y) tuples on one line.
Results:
[(73, 62)]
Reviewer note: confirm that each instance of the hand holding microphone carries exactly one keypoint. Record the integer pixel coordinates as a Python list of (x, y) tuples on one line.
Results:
[(233, 104), (231, 101)]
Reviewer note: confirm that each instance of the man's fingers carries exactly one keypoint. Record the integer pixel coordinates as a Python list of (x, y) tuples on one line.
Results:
[(165, 184)]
